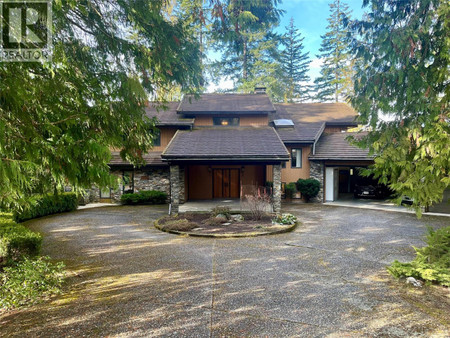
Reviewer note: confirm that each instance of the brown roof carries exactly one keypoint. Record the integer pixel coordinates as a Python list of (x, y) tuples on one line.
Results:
[(152, 158), (226, 104), (335, 146), (166, 114), (224, 143), (310, 119)]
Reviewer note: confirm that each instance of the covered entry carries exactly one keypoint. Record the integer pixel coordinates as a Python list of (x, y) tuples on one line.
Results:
[(226, 183)]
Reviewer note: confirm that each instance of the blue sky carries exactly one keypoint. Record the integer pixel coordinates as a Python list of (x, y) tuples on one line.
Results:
[(310, 17)]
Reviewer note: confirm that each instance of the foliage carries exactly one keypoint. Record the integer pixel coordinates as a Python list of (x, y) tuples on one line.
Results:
[(432, 262), (290, 189), (295, 65), (59, 119), (144, 197), (39, 206), (335, 80), (212, 221), (286, 219), (27, 281), (309, 188), (16, 241), (257, 203), (220, 210), (405, 76), (178, 224)]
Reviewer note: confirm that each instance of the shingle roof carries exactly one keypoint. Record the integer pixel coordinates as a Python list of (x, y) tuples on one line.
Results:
[(249, 143), (335, 146), (310, 119), (152, 158), (226, 104), (167, 114)]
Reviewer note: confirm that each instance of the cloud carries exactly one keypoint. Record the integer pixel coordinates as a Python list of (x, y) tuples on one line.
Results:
[(316, 63), (223, 84)]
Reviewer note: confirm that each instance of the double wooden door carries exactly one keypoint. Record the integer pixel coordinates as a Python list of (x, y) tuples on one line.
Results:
[(226, 183)]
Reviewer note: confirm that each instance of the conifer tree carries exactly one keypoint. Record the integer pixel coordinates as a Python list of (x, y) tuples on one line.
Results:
[(405, 74), (334, 82), (295, 65)]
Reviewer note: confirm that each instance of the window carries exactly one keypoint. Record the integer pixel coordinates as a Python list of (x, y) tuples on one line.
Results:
[(296, 158), (128, 182), (157, 138), (105, 193), (226, 121)]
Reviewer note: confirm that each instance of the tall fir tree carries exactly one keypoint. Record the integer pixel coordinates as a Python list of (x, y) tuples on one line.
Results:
[(295, 65), (334, 82), (240, 30), (405, 74)]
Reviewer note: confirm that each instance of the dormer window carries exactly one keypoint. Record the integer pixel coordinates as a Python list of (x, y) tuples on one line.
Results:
[(226, 121)]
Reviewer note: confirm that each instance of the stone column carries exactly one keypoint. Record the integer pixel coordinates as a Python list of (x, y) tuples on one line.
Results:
[(316, 171), (182, 177), (174, 188), (277, 188)]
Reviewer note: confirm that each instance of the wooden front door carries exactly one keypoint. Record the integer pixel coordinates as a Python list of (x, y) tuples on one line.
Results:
[(226, 183)]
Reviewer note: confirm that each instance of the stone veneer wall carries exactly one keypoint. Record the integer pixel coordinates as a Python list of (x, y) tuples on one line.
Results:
[(316, 172)]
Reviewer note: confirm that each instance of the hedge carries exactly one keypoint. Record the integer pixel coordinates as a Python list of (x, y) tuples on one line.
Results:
[(309, 187), (16, 241), (144, 197), (47, 205)]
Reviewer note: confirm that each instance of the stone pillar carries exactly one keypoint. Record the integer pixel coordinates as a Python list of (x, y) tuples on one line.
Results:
[(182, 177), (277, 188), (316, 171), (174, 188)]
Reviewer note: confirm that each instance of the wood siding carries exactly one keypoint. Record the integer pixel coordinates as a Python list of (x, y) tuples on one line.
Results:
[(244, 121), (167, 134), (200, 178), (289, 174)]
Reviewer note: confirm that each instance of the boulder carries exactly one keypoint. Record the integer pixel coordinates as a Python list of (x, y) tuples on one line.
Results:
[(237, 218)]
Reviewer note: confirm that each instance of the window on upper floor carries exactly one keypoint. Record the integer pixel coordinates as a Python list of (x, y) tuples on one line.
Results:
[(226, 121), (296, 158), (157, 138)]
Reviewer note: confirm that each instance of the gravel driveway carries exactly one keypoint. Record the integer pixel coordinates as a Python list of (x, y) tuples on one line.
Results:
[(327, 278)]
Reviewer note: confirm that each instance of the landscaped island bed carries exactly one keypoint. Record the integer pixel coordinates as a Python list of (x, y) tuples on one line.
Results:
[(207, 225)]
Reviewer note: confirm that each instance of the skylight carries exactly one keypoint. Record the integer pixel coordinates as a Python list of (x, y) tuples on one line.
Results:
[(283, 123)]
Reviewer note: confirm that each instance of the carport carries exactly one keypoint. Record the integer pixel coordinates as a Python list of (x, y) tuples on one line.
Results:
[(341, 164)]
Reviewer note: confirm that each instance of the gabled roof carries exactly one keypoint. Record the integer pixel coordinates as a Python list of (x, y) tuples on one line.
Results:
[(241, 143), (152, 158), (335, 146), (166, 114), (243, 104), (311, 118)]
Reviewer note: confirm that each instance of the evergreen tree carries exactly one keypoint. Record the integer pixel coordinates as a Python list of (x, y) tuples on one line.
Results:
[(59, 119), (295, 64), (405, 74), (239, 27), (334, 82)]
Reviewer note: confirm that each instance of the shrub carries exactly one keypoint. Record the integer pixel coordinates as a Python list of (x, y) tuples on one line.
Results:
[(309, 187), (181, 224), (257, 203), (290, 189), (286, 219), (226, 211), (47, 205), (432, 262), (144, 197), (17, 241), (212, 221), (27, 281)]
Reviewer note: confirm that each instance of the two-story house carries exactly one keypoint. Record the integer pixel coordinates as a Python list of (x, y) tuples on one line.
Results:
[(223, 145)]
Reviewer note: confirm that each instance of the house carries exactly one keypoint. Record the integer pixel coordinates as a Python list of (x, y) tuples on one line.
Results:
[(223, 145)]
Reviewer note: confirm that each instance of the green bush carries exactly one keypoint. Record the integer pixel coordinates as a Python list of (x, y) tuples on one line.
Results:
[(309, 187), (16, 241), (25, 282), (432, 263), (144, 197), (286, 219), (290, 190), (47, 205)]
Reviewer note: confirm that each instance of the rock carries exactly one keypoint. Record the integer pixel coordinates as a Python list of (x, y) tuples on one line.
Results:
[(222, 217), (237, 218), (226, 224), (414, 282)]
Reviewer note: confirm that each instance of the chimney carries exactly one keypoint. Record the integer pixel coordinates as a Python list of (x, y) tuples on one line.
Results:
[(260, 90)]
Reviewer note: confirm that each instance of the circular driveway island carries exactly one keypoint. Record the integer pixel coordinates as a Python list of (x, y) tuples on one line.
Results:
[(328, 277)]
